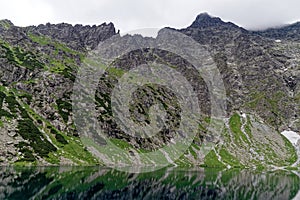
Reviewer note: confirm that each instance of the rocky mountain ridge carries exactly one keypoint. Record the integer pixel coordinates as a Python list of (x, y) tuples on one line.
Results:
[(38, 66)]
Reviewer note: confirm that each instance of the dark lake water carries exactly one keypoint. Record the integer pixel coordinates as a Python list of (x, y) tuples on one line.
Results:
[(169, 183)]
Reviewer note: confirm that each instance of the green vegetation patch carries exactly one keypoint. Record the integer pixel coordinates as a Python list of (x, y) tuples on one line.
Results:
[(64, 68), (5, 24), (59, 138), (64, 109), (248, 127), (26, 151), (37, 141), (121, 144), (228, 158), (290, 149), (211, 160), (269, 102), (19, 57), (2, 96), (44, 40), (235, 126), (66, 65)]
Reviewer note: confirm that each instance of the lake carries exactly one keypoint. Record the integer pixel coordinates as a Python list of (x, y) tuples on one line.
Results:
[(168, 183)]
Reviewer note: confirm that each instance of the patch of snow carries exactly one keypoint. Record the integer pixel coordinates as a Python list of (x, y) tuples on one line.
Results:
[(244, 115), (292, 136)]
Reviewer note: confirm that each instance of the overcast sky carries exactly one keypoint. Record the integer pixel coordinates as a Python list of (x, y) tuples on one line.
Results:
[(128, 15)]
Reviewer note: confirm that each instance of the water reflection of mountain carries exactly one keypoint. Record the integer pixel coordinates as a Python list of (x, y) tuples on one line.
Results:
[(169, 183)]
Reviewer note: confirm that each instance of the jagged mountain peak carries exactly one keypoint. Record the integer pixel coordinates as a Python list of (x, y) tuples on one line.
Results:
[(205, 20), (204, 17), (67, 25), (76, 36)]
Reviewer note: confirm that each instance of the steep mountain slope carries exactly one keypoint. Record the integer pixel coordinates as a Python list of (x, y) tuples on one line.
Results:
[(38, 67), (261, 77)]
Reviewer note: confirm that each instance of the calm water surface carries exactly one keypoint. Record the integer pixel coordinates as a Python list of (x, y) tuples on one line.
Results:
[(169, 183)]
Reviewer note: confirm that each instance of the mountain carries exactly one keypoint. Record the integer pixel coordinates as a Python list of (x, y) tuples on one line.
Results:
[(288, 32), (260, 71)]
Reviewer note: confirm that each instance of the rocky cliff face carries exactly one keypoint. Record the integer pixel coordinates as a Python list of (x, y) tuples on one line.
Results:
[(40, 64), (260, 73), (260, 70)]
